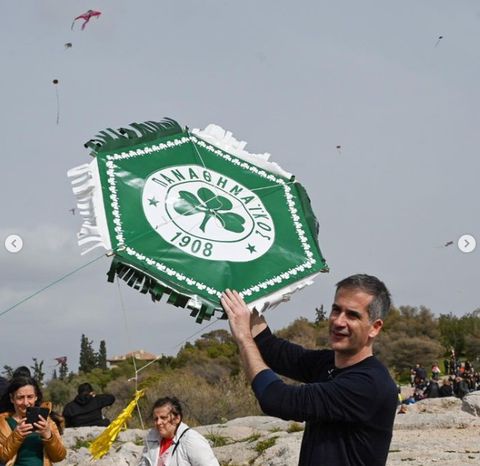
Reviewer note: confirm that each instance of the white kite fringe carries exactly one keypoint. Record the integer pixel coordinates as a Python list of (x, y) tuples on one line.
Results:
[(274, 299), (85, 182), (224, 140)]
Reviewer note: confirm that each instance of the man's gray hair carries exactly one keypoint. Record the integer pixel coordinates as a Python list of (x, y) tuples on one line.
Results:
[(371, 285)]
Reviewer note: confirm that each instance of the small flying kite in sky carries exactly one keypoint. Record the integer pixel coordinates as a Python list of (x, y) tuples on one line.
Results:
[(68, 45), (86, 17), (438, 40), (339, 149), (448, 243), (55, 83), (61, 360)]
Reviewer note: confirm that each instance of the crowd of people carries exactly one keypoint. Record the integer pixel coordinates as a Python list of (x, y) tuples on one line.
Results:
[(31, 432), (458, 379), (346, 398)]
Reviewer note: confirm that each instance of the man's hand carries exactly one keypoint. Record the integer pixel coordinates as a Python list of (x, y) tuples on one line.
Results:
[(238, 315), (241, 324)]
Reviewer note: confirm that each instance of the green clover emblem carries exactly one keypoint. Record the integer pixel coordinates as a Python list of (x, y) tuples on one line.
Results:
[(211, 205)]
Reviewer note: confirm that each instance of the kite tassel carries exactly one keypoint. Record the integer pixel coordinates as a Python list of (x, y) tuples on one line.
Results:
[(102, 444), (91, 234), (137, 133)]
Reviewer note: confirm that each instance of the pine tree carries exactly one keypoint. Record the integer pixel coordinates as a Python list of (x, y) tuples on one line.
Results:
[(63, 371), (102, 355), (54, 375), (38, 373), (320, 314), (8, 371), (88, 359)]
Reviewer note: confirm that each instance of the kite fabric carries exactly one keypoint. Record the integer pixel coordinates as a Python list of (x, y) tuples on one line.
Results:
[(87, 16), (189, 214), (101, 445)]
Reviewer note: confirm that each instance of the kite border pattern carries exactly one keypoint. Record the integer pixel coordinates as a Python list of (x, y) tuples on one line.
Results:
[(308, 264)]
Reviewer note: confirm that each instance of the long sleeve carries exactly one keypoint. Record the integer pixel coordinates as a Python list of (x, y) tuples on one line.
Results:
[(104, 399), (10, 442), (54, 447), (352, 397), (198, 450), (291, 360)]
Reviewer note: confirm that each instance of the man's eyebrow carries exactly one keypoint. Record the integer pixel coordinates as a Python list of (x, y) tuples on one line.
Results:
[(336, 307)]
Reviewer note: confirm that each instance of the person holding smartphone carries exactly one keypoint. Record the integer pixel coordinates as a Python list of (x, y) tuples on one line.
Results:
[(26, 437)]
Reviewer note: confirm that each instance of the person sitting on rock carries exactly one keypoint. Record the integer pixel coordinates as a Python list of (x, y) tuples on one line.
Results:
[(446, 389), (86, 408), (460, 387), (432, 390), (173, 443)]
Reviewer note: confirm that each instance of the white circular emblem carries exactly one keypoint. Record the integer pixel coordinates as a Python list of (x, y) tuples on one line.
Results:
[(207, 214)]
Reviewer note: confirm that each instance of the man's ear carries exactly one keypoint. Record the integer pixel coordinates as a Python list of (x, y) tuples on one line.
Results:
[(376, 327)]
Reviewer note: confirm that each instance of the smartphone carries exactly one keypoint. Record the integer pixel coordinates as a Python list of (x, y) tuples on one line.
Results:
[(33, 413)]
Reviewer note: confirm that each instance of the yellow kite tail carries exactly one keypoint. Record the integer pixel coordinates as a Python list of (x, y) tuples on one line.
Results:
[(103, 442)]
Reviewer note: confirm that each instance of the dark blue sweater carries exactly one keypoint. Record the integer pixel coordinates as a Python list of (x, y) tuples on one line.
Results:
[(349, 412)]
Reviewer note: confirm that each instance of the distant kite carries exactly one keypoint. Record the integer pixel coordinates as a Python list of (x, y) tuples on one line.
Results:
[(438, 40), (68, 45), (55, 83), (61, 360), (339, 148), (448, 243), (86, 17)]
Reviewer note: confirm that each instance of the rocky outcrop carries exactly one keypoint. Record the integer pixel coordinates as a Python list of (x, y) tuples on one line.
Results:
[(441, 431)]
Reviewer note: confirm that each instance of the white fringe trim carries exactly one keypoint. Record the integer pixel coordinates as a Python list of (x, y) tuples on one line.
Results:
[(272, 300), (86, 187), (224, 140)]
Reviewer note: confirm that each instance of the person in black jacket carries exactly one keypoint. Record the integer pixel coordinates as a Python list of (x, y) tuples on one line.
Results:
[(348, 399), (86, 408)]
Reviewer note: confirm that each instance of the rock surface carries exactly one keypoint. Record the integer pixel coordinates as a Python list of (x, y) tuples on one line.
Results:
[(442, 431)]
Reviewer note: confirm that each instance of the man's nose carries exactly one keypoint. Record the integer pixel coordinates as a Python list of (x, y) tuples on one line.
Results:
[(340, 319)]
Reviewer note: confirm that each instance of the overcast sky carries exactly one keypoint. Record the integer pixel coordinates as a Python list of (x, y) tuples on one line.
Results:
[(293, 79)]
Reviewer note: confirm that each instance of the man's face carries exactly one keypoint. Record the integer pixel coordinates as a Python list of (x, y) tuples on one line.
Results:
[(350, 329)]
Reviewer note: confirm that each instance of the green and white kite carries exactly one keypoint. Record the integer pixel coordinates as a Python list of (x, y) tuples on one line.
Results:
[(189, 214)]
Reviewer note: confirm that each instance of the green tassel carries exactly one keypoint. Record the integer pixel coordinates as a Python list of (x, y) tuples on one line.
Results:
[(177, 299), (146, 284), (139, 133)]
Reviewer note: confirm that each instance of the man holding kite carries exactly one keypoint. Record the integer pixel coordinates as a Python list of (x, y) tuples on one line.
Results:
[(347, 398)]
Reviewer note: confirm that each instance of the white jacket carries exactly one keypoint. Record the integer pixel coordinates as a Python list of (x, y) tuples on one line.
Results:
[(189, 449)]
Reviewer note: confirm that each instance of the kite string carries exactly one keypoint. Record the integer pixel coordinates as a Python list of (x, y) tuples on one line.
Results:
[(58, 104), (180, 343), (58, 280), (129, 342)]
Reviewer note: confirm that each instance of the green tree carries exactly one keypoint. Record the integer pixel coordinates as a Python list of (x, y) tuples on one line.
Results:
[(38, 373), (320, 315), (102, 356), (88, 358), (302, 332), (63, 370), (453, 332), (8, 371)]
